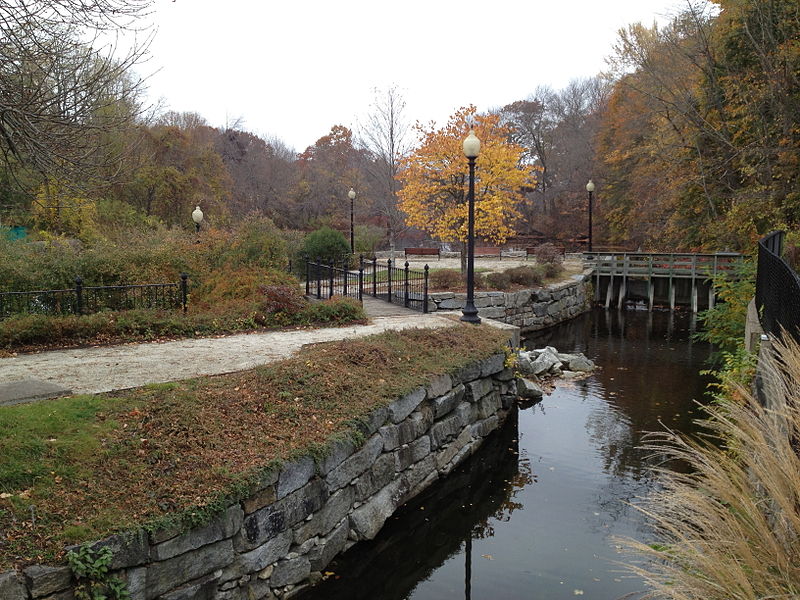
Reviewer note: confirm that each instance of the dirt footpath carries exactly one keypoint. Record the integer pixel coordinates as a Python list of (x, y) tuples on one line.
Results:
[(102, 369)]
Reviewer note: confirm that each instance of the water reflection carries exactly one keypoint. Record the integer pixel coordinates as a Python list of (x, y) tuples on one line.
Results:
[(436, 527), (532, 515)]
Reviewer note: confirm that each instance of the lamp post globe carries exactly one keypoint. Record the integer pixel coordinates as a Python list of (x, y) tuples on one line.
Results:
[(352, 195), (197, 217), (590, 189), (472, 147)]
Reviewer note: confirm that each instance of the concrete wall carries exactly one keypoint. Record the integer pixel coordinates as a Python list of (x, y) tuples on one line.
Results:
[(530, 310), (280, 539)]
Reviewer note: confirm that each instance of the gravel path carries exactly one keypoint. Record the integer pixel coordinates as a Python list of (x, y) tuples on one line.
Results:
[(101, 369)]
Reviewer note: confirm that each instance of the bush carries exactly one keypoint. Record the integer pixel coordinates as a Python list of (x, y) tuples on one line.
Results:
[(256, 242), (333, 311), (547, 254), (525, 276), (551, 270), (242, 284), (327, 244), (446, 279), (498, 281), (279, 304)]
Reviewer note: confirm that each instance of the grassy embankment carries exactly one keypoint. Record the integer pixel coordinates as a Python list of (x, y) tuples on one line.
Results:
[(79, 468)]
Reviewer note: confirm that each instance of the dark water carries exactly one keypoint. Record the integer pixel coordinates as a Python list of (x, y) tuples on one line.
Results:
[(531, 516)]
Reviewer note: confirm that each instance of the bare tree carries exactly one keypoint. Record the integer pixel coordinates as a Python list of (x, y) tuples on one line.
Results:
[(62, 96), (384, 135)]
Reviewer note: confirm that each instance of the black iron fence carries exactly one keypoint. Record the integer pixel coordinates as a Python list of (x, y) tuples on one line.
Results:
[(83, 299), (777, 289), (386, 281)]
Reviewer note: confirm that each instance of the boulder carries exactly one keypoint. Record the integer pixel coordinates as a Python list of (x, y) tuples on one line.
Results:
[(529, 389)]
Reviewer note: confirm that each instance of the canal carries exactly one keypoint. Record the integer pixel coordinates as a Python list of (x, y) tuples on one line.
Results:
[(533, 514)]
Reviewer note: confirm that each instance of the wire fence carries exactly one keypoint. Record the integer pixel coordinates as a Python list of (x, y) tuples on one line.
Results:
[(777, 289), (386, 281), (82, 299)]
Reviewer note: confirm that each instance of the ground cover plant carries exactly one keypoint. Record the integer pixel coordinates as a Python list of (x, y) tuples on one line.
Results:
[(76, 469)]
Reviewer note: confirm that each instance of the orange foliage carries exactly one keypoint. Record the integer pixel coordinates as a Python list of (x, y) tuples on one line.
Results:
[(435, 179)]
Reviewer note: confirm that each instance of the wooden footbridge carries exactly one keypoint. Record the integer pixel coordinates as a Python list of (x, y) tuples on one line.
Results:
[(665, 279)]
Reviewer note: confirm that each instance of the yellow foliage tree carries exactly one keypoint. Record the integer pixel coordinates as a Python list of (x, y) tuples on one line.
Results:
[(59, 210), (435, 179)]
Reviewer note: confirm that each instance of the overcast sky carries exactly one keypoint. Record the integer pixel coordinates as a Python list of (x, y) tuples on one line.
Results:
[(294, 68)]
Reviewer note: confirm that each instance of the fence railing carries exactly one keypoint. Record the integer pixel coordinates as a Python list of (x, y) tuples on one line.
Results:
[(642, 264), (386, 281), (83, 299), (777, 289)]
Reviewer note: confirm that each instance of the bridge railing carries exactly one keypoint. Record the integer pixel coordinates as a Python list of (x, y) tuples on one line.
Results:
[(395, 284), (649, 264), (777, 289)]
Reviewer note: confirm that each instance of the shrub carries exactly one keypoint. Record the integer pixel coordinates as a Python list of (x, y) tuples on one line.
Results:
[(334, 311), (525, 276), (279, 304), (547, 254), (498, 281), (552, 269), (242, 283), (446, 279), (327, 244), (256, 242)]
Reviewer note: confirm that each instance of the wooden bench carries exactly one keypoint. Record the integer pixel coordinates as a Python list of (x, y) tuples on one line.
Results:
[(423, 252), (489, 251), (531, 251)]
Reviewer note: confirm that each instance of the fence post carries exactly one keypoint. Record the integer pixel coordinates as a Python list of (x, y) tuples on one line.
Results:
[(330, 278), (79, 295), (425, 292), (389, 280), (361, 280), (374, 276), (405, 285), (184, 291), (318, 270), (308, 273), (345, 274)]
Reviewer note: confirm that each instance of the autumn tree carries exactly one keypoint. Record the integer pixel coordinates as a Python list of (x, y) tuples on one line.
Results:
[(59, 93), (385, 135), (700, 142), (435, 180)]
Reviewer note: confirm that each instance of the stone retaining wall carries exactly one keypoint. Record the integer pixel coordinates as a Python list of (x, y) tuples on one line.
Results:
[(281, 538), (529, 310)]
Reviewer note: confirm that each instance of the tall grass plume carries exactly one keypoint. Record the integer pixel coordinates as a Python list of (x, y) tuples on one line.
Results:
[(729, 527)]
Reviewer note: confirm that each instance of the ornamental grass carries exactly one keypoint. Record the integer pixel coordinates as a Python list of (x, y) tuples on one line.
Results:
[(729, 527)]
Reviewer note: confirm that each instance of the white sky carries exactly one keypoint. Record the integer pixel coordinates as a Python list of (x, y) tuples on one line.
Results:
[(295, 68)]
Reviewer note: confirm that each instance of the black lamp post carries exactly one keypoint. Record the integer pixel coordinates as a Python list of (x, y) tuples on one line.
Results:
[(352, 195), (472, 147), (590, 189)]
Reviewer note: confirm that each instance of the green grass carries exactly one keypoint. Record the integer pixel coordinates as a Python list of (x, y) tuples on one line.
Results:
[(77, 469)]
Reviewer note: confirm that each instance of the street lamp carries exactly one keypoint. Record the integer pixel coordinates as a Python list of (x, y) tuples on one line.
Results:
[(590, 189), (197, 217), (472, 147), (352, 195)]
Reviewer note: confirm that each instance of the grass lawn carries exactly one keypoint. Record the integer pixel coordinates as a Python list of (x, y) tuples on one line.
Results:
[(77, 469)]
